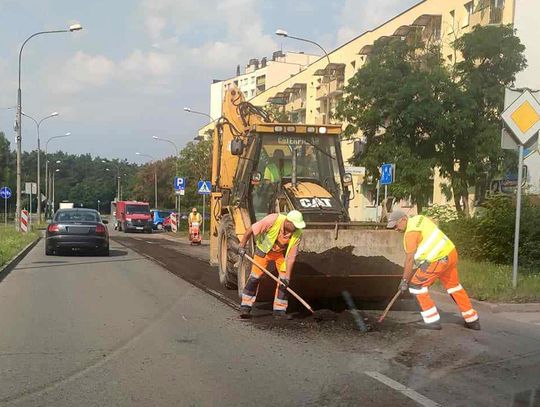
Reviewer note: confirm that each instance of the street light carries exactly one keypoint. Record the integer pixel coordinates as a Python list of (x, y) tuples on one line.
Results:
[(18, 124), (38, 124), (175, 163), (189, 110), (53, 190), (282, 33), (155, 175), (47, 192), (118, 197)]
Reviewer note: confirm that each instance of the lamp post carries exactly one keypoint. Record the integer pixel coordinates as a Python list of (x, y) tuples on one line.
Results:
[(18, 124), (118, 197), (53, 190), (285, 34), (48, 195), (190, 110), (176, 198), (38, 124), (155, 176)]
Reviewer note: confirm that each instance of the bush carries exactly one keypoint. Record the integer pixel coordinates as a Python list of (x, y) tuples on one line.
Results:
[(489, 236)]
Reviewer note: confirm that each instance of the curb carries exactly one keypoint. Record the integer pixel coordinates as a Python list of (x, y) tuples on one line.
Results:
[(497, 308), (10, 265)]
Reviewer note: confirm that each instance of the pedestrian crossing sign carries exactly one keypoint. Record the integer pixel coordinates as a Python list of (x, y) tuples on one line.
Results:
[(204, 187)]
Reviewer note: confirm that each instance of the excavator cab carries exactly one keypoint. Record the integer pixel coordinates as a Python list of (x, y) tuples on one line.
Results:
[(293, 169)]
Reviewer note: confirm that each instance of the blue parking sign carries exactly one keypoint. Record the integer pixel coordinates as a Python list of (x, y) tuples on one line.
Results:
[(387, 174), (179, 183)]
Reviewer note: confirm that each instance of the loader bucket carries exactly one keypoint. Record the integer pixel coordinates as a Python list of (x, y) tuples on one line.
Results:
[(366, 263)]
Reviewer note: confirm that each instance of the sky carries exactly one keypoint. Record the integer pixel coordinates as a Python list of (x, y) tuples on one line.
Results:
[(137, 63)]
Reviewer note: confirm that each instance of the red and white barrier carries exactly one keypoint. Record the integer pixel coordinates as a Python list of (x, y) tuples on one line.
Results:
[(174, 222), (24, 221)]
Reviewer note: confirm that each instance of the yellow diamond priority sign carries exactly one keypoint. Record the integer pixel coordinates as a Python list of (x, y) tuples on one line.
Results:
[(523, 117)]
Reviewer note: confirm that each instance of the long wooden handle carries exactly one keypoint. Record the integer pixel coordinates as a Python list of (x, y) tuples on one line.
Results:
[(383, 316), (277, 280)]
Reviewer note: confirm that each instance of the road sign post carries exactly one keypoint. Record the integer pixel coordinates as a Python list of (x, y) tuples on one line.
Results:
[(5, 193), (522, 118), (179, 190), (387, 178), (204, 188)]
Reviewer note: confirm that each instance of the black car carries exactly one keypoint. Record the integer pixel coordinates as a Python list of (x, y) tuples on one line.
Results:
[(76, 230)]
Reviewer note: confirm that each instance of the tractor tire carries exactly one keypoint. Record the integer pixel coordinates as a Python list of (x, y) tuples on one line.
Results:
[(227, 253), (244, 270)]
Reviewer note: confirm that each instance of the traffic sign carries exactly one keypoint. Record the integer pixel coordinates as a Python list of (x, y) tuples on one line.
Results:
[(5, 193), (523, 118), (179, 183), (180, 192), (387, 174), (204, 187)]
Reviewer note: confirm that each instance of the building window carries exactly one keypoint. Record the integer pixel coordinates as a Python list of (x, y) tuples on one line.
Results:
[(452, 22), (468, 11), (252, 79), (252, 92)]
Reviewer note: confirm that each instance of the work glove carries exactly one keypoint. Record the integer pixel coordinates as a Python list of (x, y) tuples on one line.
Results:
[(241, 252), (403, 286)]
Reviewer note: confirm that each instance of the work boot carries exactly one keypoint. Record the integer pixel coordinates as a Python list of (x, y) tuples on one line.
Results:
[(245, 312), (475, 325), (434, 326), (280, 315)]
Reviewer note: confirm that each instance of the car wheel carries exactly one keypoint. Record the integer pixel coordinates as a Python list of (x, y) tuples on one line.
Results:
[(104, 251), (159, 226), (48, 251)]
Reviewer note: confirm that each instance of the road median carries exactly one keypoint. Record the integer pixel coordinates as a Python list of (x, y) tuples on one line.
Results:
[(14, 247)]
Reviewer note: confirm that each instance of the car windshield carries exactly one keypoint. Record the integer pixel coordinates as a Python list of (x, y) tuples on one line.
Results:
[(163, 214), (77, 216), (133, 209)]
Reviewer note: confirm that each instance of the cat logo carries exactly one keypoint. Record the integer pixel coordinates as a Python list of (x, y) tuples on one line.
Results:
[(315, 202)]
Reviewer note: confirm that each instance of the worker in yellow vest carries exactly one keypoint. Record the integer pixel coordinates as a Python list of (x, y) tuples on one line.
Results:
[(194, 216), (277, 238), (430, 255)]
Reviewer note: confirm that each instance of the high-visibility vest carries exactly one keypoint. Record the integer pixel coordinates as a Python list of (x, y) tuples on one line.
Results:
[(265, 241), (272, 173), (194, 217), (434, 246)]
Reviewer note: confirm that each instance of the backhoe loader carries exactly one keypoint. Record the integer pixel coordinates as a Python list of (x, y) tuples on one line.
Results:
[(260, 167)]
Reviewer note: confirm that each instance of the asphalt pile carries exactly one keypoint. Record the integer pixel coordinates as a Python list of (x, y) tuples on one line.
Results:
[(338, 261)]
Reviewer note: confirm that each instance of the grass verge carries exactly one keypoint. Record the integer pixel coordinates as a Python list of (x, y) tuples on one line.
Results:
[(12, 242), (493, 282)]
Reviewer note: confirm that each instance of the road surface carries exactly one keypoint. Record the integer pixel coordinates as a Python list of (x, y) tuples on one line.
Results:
[(126, 331)]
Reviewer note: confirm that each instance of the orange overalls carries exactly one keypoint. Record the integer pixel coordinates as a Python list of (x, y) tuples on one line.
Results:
[(426, 273), (276, 255)]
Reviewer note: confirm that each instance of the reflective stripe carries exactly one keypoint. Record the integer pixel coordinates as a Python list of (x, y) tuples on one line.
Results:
[(431, 311), (435, 251), (472, 319), (280, 307), (248, 300), (454, 289), (434, 318), (425, 245), (280, 301), (422, 290), (469, 312), (255, 276)]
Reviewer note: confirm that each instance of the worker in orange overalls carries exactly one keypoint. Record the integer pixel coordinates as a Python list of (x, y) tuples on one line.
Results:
[(277, 238), (433, 255)]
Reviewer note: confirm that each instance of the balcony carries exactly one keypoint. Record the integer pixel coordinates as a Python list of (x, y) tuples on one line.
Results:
[(296, 103), (487, 12), (331, 89)]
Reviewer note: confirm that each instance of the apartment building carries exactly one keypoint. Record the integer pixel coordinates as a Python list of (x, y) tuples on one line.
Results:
[(259, 75), (312, 94)]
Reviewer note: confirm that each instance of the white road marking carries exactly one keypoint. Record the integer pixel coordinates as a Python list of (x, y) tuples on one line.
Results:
[(406, 391)]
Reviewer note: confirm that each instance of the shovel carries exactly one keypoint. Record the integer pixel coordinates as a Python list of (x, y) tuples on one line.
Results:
[(277, 280), (383, 316)]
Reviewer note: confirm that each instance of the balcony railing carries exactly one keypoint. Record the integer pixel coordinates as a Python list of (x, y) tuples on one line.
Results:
[(487, 12)]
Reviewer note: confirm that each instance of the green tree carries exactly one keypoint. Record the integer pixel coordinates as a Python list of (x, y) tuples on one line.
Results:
[(468, 135), (391, 101)]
